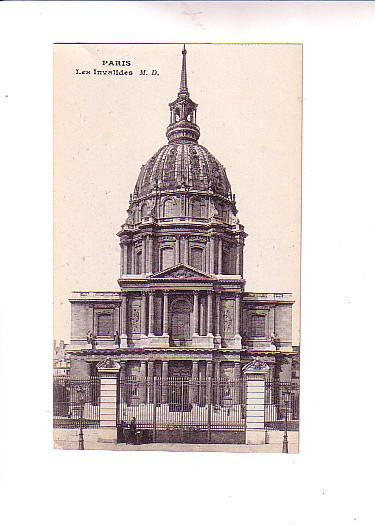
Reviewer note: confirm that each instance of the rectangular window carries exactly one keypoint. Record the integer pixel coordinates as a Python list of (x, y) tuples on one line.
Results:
[(105, 325), (258, 326)]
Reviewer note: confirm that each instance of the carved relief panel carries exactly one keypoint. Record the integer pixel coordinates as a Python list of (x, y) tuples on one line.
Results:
[(227, 317), (134, 317)]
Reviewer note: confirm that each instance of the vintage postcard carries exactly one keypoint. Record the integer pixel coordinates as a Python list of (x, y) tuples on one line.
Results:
[(177, 188)]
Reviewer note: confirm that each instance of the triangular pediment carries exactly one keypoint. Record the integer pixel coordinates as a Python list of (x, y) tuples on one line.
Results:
[(181, 271)]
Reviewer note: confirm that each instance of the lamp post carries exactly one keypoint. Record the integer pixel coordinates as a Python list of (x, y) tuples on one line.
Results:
[(286, 395), (81, 395)]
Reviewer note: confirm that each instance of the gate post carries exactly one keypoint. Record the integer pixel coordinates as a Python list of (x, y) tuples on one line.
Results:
[(108, 373), (255, 373)]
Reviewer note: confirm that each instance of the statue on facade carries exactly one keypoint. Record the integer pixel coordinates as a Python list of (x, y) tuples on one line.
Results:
[(117, 339), (91, 339)]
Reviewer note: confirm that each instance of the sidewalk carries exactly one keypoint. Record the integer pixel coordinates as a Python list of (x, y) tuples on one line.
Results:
[(68, 440)]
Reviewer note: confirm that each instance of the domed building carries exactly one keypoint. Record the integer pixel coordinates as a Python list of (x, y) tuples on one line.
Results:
[(181, 310)]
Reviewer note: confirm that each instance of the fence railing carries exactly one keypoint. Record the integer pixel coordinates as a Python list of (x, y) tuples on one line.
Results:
[(173, 404), (76, 401)]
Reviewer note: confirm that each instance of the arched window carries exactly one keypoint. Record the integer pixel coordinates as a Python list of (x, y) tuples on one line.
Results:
[(144, 210), (197, 208), (227, 262), (138, 262), (197, 258), (169, 208), (167, 258)]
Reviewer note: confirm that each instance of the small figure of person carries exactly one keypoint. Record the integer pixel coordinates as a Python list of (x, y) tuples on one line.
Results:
[(132, 431), (117, 339)]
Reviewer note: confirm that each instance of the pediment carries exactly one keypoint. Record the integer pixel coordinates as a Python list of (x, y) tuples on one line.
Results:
[(181, 271)]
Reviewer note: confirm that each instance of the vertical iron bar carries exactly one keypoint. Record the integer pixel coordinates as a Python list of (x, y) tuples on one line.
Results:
[(154, 411), (209, 409)]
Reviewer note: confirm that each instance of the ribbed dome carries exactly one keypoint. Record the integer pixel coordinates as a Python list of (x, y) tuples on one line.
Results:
[(179, 165)]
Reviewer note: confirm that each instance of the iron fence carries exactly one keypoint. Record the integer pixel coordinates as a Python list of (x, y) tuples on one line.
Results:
[(177, 403), (76, 400), (280, 409)]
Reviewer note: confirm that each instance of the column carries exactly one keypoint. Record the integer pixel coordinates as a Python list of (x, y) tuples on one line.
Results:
[(212, 254), (255, 373), (124, 316), (142, 382), (164, 382), (122, 260), (186, 251), (193, 390), (209, 313), (108, 371), (177, 252), (144, 254), (143, 314), (150, 381), (217, 323), (201, 316), (195, 313), (133, 258), (238, 257), (151, 314), (219, 255), (165, 314), (125, 259), (150, 254)]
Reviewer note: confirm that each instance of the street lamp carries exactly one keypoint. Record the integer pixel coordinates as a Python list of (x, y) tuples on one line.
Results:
[(286, 395), (81, 396)]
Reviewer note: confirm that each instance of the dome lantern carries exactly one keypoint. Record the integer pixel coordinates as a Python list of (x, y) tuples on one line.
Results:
[(183, 113)]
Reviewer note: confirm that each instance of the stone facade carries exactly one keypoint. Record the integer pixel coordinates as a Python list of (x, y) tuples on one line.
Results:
[(181, 308)]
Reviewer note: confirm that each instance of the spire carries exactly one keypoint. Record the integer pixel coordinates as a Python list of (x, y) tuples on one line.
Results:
[(183, 84), (182, 126)]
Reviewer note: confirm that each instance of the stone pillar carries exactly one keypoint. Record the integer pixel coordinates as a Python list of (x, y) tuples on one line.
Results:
[(220, 256), (108, 374), (132, 259), (122, 260), (193, 390), (177, 252), (165, 315), (125, 259), (143, 315), (150, 254), (124, 318), (151, 314), (201, 316), (209, 313), (238, 257), (212, 254), (144, 254), (142, 382), (195, 314), (164, 382), (186, 251), (255, 373), (237, 336)]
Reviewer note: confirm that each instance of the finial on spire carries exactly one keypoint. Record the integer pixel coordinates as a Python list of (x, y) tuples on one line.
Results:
[(183, 83)]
